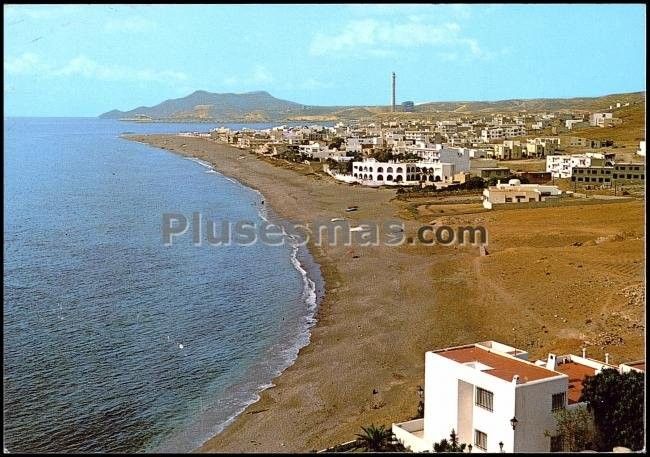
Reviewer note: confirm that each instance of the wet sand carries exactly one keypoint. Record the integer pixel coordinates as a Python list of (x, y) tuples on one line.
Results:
[(385, 306)]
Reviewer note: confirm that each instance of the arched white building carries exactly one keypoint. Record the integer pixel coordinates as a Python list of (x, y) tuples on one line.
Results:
[(373, 172)]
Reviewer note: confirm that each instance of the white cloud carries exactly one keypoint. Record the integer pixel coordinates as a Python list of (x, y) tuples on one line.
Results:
[(32, 64), (379, 38), (27, 63), (132, 24)]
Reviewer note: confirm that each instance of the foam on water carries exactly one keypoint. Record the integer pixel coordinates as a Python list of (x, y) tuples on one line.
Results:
[(195, 436)]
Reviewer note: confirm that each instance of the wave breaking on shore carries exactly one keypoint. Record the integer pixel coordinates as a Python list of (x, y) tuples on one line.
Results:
[(280, 356)]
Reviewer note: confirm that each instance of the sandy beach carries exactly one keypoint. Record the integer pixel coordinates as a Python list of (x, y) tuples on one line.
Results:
[(554, 279)]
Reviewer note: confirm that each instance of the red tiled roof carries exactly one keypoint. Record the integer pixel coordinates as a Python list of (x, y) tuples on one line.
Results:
[(501, 366), (576, 373)]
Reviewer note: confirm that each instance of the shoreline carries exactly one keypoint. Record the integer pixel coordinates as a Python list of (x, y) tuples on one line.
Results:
[(313, 291), (328, 259), (384, 307)]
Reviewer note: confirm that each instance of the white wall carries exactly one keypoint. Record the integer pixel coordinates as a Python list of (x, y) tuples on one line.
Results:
[(533, 411), (442, 400), (440, 397), (405, 433), (449, 402)]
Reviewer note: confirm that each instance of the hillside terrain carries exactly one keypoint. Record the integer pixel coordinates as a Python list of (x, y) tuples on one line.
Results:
[(534, 105), (202, 105), (260, 106)]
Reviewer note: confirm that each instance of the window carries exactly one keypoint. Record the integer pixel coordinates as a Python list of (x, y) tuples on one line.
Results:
[(484, 398), (480, 439), (558, 401)]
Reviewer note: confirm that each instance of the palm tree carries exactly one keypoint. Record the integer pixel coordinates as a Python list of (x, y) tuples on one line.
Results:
[(375, 439), (449, 446)]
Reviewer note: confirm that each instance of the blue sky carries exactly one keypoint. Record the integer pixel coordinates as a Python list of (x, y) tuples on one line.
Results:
[(84, 60)]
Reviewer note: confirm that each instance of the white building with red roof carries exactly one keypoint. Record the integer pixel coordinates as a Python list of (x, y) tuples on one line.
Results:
[(495, 399)]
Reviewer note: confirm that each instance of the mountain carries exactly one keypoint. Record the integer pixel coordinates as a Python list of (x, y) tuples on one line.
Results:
[(532, 105), (260, 106), (202, 105)]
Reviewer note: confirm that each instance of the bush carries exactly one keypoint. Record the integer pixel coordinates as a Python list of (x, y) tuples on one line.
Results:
[(475, 182), (382, 155), (574, 430), (617, 402)]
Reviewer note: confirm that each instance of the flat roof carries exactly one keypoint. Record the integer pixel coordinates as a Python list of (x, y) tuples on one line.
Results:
[(501, 366), (639, 364), (576, 373)]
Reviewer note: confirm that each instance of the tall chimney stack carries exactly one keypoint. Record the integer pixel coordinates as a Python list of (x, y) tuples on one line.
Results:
[(393, 92)]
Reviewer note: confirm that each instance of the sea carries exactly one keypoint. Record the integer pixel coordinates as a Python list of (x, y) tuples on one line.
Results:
[(113, 341)]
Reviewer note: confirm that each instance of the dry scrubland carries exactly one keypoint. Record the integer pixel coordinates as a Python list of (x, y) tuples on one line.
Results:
[(555, 279)]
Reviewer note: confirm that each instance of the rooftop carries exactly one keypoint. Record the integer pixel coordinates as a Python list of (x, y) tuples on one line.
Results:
[(498, 365), (576, 373), (639, 364)]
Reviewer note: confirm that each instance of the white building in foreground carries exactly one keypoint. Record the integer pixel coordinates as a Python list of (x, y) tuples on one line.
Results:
[(495, 399)]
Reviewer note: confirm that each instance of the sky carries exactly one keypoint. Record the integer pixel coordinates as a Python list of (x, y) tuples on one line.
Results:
[(78, 60)]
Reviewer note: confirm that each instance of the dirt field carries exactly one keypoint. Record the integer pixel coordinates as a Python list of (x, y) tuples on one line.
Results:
[(555, 279)]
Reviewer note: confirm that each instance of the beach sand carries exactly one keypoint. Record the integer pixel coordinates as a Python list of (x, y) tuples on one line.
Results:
[(385, 306)]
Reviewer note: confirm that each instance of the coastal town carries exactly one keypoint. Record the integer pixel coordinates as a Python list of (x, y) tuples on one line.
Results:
[(487, 395), (325, 228), (529, 152)]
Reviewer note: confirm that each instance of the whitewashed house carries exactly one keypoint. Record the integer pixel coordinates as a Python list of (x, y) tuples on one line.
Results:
[(502, 132), (599, 119), (515, 192), (495, 399), (459, 157), (561, 165)]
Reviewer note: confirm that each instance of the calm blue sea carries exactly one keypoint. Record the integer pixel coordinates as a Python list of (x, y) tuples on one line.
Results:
[(112, 341)]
